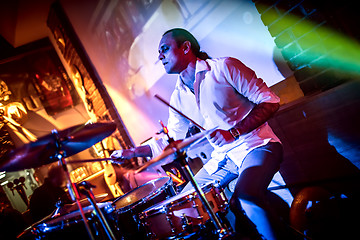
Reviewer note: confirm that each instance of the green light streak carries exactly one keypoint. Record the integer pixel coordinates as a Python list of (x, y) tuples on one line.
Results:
[(305, 43)]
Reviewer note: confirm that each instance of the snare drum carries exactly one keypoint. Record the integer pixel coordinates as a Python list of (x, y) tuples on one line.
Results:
[(182, 214), (129, 206), (71, 226)]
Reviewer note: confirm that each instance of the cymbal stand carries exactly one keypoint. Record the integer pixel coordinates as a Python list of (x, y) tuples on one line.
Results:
[(180, 157), (60, 155), (86, 190)]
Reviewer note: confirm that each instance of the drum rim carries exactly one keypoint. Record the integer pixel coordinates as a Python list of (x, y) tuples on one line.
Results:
[(181, 198), (151, 195)]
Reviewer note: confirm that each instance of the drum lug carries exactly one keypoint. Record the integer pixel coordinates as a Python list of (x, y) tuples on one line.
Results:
[(223, 204), (168, 219), (186, 223)]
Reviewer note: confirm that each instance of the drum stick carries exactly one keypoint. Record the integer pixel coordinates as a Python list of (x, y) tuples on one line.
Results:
[(166, 103), (90, 160)]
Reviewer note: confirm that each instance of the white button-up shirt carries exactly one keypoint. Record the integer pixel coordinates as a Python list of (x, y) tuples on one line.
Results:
[(225, 92)]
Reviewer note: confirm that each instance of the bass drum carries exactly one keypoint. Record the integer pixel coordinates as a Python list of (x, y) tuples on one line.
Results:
[(182, 214), (130, 205)]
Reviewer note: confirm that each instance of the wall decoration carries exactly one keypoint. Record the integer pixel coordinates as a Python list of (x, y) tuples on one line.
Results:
[(84, 75), (37, 79), (32, 79)]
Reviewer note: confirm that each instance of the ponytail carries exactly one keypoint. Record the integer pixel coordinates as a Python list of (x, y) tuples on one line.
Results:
[(202, 55)]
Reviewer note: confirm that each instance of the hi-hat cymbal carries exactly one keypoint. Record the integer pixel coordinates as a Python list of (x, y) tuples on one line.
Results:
[(70, 207), (177, 146), (43, 151)]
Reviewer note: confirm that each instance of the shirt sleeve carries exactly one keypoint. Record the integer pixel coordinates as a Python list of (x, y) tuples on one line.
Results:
[(157, 146), (245, 81), (177, 124)]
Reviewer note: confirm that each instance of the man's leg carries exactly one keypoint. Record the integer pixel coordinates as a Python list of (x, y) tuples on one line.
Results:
[(250, 194), (226, 172)]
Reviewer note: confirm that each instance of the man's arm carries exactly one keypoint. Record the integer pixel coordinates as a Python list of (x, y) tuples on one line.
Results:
[(140, 151), (258, 116)]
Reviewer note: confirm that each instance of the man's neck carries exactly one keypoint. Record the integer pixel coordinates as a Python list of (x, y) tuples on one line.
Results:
[(188, 75)]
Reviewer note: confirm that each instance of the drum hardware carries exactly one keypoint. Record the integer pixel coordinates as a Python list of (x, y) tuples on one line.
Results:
[(128, 206), (174, 147), (64, 208), (43, 151), (85, 188), (56, 147), (178, 149), (221, 230), (74, 193), (184, 216), (68, 225)]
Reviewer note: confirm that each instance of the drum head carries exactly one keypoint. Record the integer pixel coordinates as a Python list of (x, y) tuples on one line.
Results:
[(141, 194)]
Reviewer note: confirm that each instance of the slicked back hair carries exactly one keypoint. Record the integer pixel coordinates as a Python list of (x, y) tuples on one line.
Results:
[(181, 35)]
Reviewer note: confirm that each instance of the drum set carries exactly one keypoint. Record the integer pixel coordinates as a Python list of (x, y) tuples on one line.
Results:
[(151, 211)]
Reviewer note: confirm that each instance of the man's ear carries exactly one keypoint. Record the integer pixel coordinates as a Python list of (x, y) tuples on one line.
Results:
[(186, 47)]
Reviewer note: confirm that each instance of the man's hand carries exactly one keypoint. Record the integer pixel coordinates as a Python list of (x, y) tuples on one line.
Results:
[(221, 137), (173, 144), (123, 154), (139, 151)]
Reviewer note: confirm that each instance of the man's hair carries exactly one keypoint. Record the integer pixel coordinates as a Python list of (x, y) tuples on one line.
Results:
[(181, 35)]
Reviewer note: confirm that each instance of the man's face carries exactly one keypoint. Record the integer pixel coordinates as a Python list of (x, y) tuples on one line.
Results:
[(170, 55)]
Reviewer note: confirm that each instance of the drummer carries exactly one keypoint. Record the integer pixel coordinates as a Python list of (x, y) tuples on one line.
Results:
[(225, 94), (44, 198)]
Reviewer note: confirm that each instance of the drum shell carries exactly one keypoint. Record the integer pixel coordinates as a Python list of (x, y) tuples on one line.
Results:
[(127, 216), (181, 214)]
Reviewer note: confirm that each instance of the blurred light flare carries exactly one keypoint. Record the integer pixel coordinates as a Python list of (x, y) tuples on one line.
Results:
[(326, 48), (140, 125)]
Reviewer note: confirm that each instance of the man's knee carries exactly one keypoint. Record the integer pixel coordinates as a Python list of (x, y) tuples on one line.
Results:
[(235, 203), (246, 197)]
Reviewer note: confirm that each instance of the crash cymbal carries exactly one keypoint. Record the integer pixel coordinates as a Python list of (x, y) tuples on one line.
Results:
[(43, 151), (177, 146)]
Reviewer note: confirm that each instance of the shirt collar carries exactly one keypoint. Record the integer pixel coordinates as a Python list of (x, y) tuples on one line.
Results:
[(201, 65)]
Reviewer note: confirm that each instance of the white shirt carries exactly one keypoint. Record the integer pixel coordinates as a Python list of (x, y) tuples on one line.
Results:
[(225, 92)]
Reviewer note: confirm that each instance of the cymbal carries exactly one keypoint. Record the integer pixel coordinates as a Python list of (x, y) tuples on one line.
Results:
[(43, 151), (70, 207), (183, 145)]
